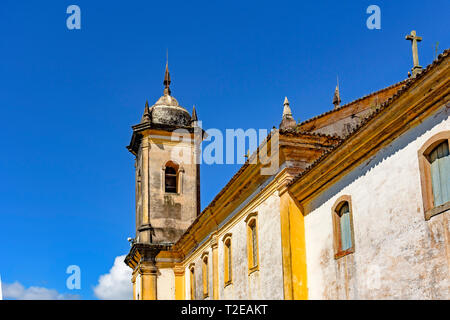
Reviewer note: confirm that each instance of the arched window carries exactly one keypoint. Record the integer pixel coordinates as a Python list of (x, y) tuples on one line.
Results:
[(434, 163), (440, 173), (171, 177), (192, 281), (227, 260), (205, 276), (343, 227), (252, 242)]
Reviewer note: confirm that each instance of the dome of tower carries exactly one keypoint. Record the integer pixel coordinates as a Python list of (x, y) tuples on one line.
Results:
[(167, 111)]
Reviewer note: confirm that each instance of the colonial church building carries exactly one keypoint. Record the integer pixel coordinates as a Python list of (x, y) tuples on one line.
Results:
[(358, 207)]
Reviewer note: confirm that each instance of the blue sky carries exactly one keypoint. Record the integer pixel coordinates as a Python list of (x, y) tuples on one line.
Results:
[(69, 97)]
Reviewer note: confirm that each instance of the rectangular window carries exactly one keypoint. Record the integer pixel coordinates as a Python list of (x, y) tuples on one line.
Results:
[(252, 242), (254, 245), (205, 277), (192, 281), (227, 262)]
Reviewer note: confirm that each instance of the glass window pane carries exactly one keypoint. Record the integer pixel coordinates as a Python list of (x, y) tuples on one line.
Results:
[(346, 235), (229, 260), (254, 245), (440, 173)]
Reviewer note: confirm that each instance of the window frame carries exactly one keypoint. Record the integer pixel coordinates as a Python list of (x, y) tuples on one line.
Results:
[(177, 175), (192, 280), (252, 221), (205, 274), (227, 260), (337, 238), (429, 209)]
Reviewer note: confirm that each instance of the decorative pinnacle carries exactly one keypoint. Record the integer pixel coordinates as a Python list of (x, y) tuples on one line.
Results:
[(287, 121), (286, 110), (146, 115), (167, 81), (336, 97), (194, 115)]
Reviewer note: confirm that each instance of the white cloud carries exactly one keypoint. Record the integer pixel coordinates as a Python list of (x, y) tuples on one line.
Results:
[(115, 285), (17, 291)]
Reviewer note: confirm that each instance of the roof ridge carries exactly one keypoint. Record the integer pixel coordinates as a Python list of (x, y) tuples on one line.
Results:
[(383, 106), (353, 102), (309, 133)]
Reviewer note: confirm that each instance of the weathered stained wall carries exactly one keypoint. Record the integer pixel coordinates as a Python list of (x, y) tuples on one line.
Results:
[(170, 214), (398, 255), (138, 293), (267, 283), (165, 284)]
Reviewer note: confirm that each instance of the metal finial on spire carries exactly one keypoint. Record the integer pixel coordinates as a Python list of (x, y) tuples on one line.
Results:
[(167, 80), (337, 96)]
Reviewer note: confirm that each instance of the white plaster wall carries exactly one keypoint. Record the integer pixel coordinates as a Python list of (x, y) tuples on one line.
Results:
[(267, 283), (398, 254), (165, 284), (138, 287)]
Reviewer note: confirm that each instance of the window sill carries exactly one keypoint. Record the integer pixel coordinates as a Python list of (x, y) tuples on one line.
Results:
[(437, 210), (343, 253), (171, 193)]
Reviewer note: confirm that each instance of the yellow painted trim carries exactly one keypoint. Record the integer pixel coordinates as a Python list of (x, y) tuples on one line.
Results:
[(250, 220), (227, 256), (179, 282), (208, 221), (205, 274), (215, 255), (293, 249), (192, 281), (148, 286), (268, 191)]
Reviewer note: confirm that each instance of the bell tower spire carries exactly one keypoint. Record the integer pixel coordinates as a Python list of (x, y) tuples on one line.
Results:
[(166, 81)]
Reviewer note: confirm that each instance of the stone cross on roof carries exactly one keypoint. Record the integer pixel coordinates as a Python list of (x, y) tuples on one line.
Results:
[(414, 39)]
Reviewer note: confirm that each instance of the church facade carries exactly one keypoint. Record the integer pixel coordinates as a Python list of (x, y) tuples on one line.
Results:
[(358, 207)]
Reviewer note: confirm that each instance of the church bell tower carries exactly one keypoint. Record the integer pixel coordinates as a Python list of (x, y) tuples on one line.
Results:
[(166, 148)]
